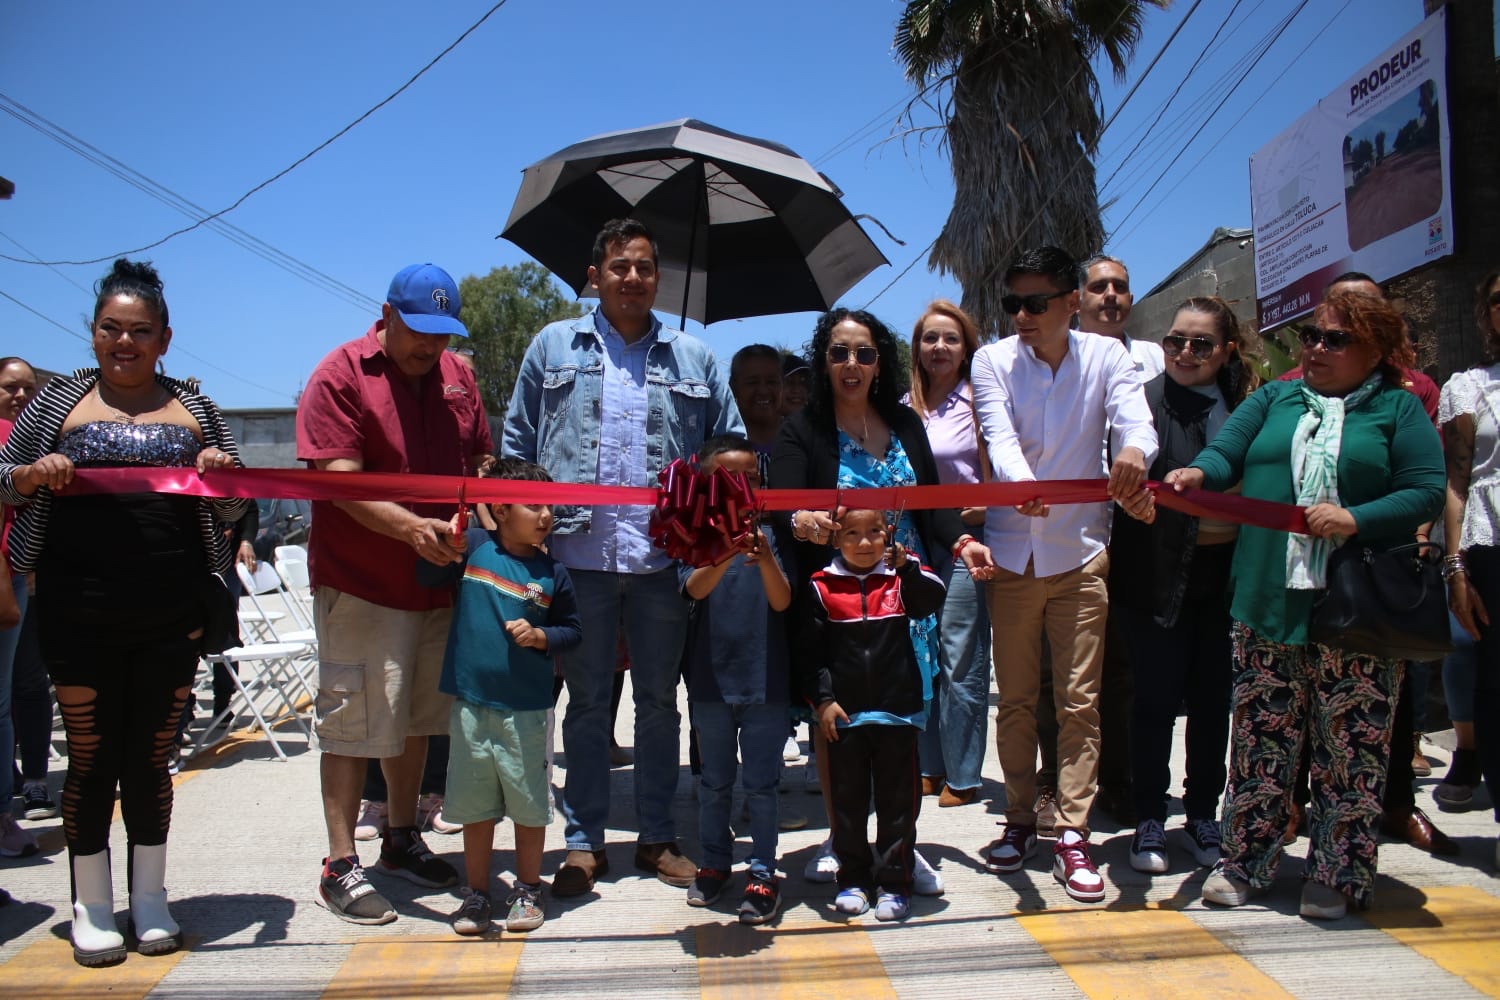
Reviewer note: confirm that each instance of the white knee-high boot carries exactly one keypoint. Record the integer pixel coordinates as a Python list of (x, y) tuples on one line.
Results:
[(156, 933), (96, 939)]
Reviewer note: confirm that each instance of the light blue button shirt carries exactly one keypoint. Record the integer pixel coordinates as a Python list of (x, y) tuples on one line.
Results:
[(618, 540)]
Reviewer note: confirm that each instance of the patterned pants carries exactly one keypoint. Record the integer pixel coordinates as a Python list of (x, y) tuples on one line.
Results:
[(1343, 703)]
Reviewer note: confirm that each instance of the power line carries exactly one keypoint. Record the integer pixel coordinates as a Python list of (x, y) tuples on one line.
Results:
[(1225, 134), (282, 173), (177, 202), (45, 318), (1285, 24)]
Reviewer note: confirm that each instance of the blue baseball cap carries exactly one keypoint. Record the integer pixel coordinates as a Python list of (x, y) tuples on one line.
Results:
[(426, 296)]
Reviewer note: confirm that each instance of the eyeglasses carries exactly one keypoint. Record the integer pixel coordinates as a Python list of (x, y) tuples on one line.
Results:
[(1035, 305), (839, 354), (1201, 348), (1332, 341)]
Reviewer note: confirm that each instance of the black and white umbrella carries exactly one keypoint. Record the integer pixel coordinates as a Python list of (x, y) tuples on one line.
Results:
[(765, 233)]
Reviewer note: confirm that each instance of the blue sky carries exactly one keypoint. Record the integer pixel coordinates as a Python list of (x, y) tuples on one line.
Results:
[(212, 99)]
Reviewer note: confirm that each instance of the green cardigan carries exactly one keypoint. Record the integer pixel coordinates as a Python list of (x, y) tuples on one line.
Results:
[(1391, 478)]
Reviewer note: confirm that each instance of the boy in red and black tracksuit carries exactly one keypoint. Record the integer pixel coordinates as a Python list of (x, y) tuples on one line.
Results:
[(859, 672)]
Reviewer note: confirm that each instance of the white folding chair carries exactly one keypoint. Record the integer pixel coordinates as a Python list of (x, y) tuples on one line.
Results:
[(294, 590), (266, 580), (273, 668), (297, 552)]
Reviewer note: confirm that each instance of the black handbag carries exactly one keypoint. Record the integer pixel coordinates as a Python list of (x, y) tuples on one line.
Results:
[(221, 616), (1390, 604)]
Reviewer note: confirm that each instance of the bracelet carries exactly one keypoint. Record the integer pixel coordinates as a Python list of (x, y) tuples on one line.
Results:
[(1454, 566), (797, 532), (964, 541)]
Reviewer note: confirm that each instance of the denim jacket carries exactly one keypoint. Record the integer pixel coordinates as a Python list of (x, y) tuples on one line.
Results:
[(554, 413)]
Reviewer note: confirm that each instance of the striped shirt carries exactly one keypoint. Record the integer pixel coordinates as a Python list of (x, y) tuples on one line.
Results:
[(37, 433)]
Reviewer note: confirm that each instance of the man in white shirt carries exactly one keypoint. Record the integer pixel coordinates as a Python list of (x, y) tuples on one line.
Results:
[(1047, 398), (1103, 307)]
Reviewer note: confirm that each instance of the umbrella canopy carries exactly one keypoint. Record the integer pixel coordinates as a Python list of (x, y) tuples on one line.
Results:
[(745, 226)]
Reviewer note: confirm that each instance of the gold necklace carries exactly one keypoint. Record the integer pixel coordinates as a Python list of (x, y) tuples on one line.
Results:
[(864, 429), (120, 416)]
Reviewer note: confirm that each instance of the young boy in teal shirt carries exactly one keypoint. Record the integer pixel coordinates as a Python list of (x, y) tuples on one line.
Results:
[(514, 609)]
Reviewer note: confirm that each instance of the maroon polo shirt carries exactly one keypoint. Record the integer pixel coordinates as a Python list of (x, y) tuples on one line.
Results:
[(358, 405)]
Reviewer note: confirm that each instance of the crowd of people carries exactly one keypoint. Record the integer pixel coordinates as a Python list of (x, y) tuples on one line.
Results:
[(443, 642)]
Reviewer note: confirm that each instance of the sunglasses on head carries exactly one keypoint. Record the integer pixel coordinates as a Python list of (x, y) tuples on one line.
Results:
[(1034, 305), (839, 354), (1331, 340), (1173, 344)]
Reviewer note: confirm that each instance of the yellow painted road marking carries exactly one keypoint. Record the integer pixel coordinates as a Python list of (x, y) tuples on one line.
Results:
[(1456, 927), (428, 968), (801, 957), (1145, 953), (46, 969)]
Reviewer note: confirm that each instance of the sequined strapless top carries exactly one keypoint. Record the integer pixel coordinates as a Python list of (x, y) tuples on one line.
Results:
[(106, 443)]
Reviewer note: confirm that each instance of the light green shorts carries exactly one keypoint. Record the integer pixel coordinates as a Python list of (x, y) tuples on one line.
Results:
[(497, 766)]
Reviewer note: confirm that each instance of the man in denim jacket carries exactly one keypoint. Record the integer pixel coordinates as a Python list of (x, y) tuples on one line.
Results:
[(612, 398)]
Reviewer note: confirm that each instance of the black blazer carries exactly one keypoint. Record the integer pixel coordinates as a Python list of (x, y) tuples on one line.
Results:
[(807, 457)]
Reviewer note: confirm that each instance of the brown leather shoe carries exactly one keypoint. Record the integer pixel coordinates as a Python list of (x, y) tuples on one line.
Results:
[(1420, 765), (667, 861), (1046, 811), (933, 783), (956, 797), (578, 872), (1414, 828)]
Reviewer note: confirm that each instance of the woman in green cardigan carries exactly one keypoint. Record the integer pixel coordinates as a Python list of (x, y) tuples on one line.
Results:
[(1354, 448)]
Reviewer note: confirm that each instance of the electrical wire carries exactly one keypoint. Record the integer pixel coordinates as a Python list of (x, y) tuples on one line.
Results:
[(281, 173)]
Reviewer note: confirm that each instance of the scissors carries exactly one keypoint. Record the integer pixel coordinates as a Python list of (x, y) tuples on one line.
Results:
[(463, 508)]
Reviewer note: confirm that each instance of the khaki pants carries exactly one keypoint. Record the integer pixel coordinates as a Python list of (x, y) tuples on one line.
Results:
[(1072, 607)]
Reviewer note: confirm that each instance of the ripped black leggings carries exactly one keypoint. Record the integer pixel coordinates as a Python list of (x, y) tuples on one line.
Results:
[(120, 703)]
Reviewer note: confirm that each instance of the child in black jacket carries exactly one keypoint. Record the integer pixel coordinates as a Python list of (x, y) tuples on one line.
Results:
[(859, 672)]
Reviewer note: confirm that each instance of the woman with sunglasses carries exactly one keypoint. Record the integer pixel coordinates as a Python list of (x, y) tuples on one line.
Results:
[(952, 747), (1169, 580), (1470, 415), (1349, 444), (852, 434)]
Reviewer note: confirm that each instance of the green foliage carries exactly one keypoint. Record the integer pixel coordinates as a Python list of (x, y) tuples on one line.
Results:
[(503, 311), (1278, 358)]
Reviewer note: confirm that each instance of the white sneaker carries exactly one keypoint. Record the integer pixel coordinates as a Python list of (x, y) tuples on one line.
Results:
[(1148, 848), (810, 783), (15, 842), (792, 750), (852, 902), (372, 821), (824, 865), (925, 879)]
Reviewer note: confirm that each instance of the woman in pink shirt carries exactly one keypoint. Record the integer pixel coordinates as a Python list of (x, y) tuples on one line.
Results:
[(952, 748)]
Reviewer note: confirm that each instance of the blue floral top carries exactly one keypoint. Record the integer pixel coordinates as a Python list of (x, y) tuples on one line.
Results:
[(858, 469)]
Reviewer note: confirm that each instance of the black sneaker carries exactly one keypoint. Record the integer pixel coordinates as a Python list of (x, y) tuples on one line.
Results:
[(346, 892), (473, 915), (404, 855), (707, 887), (762, 898), (35, 801)]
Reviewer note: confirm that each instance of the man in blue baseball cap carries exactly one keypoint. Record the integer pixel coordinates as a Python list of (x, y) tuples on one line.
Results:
[(394, 400)]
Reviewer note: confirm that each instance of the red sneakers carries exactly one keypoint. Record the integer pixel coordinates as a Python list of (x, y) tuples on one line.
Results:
[(1071, 866)]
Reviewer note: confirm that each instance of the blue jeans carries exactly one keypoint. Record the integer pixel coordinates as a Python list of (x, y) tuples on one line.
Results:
[(1458, 673), (953, 743), (653, 615), (758, 732), (8, 640)]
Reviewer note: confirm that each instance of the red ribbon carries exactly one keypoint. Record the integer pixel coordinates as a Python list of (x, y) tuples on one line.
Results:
[(312, 484)]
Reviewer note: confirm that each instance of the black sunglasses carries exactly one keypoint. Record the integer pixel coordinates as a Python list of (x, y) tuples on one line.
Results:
[(1332, 341), (1034, 305), (1174, 344), (839, 354)]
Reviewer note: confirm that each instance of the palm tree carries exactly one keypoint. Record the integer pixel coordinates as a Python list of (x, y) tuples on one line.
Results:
[(1021, 118)]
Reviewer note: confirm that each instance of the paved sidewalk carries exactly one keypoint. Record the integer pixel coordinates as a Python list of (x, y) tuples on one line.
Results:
[(247, 839)]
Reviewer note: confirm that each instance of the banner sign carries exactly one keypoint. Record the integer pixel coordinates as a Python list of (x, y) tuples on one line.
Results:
[(1359, 183)]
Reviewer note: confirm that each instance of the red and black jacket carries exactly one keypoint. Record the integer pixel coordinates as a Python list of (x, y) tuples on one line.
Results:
[(854, 640)]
